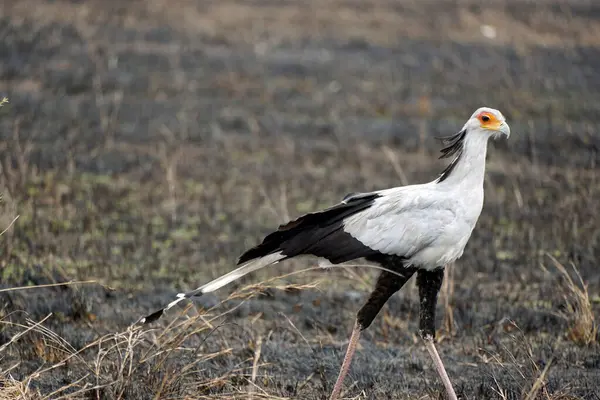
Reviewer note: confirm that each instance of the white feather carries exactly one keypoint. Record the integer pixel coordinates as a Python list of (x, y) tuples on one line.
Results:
[(430, 224), (250, 266), (218, 283)]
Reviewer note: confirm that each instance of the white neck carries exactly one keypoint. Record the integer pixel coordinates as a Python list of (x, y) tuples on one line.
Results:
[(470, 166)]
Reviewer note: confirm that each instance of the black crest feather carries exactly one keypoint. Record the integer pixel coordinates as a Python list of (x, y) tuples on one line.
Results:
[(453, 145)]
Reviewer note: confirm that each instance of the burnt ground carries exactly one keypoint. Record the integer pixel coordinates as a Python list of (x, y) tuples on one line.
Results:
[(149, 143)]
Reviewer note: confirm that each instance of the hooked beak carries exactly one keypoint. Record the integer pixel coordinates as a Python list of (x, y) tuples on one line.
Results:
[(505, 129)]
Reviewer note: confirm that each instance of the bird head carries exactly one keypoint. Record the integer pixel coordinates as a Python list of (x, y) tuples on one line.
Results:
[(487, 121)]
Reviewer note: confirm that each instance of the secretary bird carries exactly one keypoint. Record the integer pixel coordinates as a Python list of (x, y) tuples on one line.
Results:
[(416, 228)]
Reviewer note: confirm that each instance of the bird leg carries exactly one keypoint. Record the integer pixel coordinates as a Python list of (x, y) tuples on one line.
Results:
[(337, 388), (439, 366), (429, 283), (387, 284)]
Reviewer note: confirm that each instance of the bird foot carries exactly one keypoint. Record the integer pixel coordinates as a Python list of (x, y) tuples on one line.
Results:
[(439, 366)]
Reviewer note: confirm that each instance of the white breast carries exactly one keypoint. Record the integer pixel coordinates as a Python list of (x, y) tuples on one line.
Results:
[(426, 224)]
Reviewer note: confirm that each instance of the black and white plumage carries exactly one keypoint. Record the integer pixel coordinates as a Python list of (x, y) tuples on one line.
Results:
[(417, 228)]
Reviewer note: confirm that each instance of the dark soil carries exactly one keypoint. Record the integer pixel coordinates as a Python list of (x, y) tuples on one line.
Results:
[(147, 144)]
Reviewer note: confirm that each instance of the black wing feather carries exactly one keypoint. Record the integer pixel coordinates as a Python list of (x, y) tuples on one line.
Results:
[(319, 233)]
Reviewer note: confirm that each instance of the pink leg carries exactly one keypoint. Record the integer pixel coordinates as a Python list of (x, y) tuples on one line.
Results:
[(439, 366), (347, 360)]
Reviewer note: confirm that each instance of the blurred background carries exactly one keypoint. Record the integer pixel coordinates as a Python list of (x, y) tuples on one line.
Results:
[(147, 143)]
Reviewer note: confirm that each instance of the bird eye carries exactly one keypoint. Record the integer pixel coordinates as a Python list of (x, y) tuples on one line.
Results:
[(485, 118)]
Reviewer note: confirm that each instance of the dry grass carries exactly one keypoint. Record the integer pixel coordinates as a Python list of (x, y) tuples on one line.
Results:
[(517, 359), (578, 311), (171, 357), (11, 389)]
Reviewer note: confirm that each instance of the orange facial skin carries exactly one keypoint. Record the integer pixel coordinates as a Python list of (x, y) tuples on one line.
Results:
[(489, 121)]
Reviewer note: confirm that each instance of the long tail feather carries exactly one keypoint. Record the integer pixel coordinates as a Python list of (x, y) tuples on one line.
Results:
[(320, 234), (250, 266)]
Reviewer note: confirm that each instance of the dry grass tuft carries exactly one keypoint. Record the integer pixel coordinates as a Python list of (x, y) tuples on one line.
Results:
[(111, 366), (517, 359), (578, 312), (167, 362), (539, 383), (11, 388)]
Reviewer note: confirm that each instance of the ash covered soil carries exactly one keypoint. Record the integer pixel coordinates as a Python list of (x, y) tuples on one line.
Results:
[(147, 144)]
